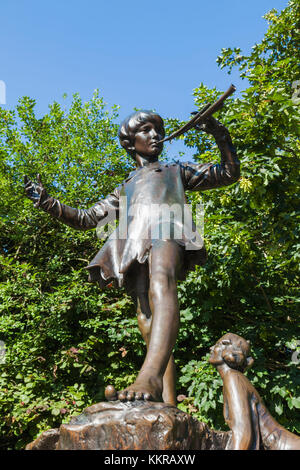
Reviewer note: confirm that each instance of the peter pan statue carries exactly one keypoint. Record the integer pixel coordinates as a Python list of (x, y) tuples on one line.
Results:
[(155, 252)]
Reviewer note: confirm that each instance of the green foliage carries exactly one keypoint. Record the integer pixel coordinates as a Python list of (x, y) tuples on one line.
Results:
[(250, 284), (204, 386), (65, 339)]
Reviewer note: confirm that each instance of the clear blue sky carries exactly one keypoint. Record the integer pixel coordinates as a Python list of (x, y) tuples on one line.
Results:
[(145, 54)]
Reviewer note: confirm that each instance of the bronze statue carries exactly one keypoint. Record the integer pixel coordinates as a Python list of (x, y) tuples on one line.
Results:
[(149, 266), (252, 426)]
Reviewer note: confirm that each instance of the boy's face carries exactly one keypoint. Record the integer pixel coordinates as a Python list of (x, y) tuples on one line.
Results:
[(146, 137)]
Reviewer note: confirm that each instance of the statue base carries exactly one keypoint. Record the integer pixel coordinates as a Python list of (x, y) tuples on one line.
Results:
[(138, 425)]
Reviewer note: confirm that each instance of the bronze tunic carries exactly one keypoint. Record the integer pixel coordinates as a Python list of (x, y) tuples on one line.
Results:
[(148, 187)]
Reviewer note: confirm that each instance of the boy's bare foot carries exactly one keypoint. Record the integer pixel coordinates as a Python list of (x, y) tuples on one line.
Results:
[(148, 389)]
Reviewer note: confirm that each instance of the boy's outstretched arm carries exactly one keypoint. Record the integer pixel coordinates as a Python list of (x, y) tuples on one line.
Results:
[(81, 219), (202, 176)]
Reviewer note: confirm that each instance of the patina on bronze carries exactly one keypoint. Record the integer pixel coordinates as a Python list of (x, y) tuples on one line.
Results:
[(148, 268), (251, 423)]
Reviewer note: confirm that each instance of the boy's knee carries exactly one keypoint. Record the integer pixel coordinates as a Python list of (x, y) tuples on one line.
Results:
[(162, 281)]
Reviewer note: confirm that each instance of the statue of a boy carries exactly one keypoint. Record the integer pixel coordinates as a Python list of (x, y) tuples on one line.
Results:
[(149, 266)]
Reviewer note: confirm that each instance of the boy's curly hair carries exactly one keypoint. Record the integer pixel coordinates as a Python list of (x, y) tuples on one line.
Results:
[(128, 127)]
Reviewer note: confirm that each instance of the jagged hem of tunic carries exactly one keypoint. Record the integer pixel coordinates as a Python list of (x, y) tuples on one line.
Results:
[(104, 275)]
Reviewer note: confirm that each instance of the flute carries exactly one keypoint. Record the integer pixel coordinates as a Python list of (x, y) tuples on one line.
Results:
[(202, 115)]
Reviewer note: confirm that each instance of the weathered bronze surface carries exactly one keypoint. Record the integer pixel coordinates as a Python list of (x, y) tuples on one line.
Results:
[(149, 267), (136, 425), (46, 441), (252, 425)]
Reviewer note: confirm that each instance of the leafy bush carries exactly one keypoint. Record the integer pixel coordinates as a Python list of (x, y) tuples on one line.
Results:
[(250, 284)]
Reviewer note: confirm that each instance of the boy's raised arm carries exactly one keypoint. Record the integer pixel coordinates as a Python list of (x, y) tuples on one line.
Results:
[(199, 177), (80, 219)]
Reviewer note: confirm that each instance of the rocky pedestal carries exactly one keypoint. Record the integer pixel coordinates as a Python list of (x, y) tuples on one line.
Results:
[(132, 426)]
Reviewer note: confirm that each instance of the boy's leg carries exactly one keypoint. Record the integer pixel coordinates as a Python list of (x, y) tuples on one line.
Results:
[(165, 261), (139, 290), (144, 316), (144, 322)]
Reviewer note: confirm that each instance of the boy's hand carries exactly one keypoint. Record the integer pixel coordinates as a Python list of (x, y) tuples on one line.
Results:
[(34, 191), (213, 127)]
